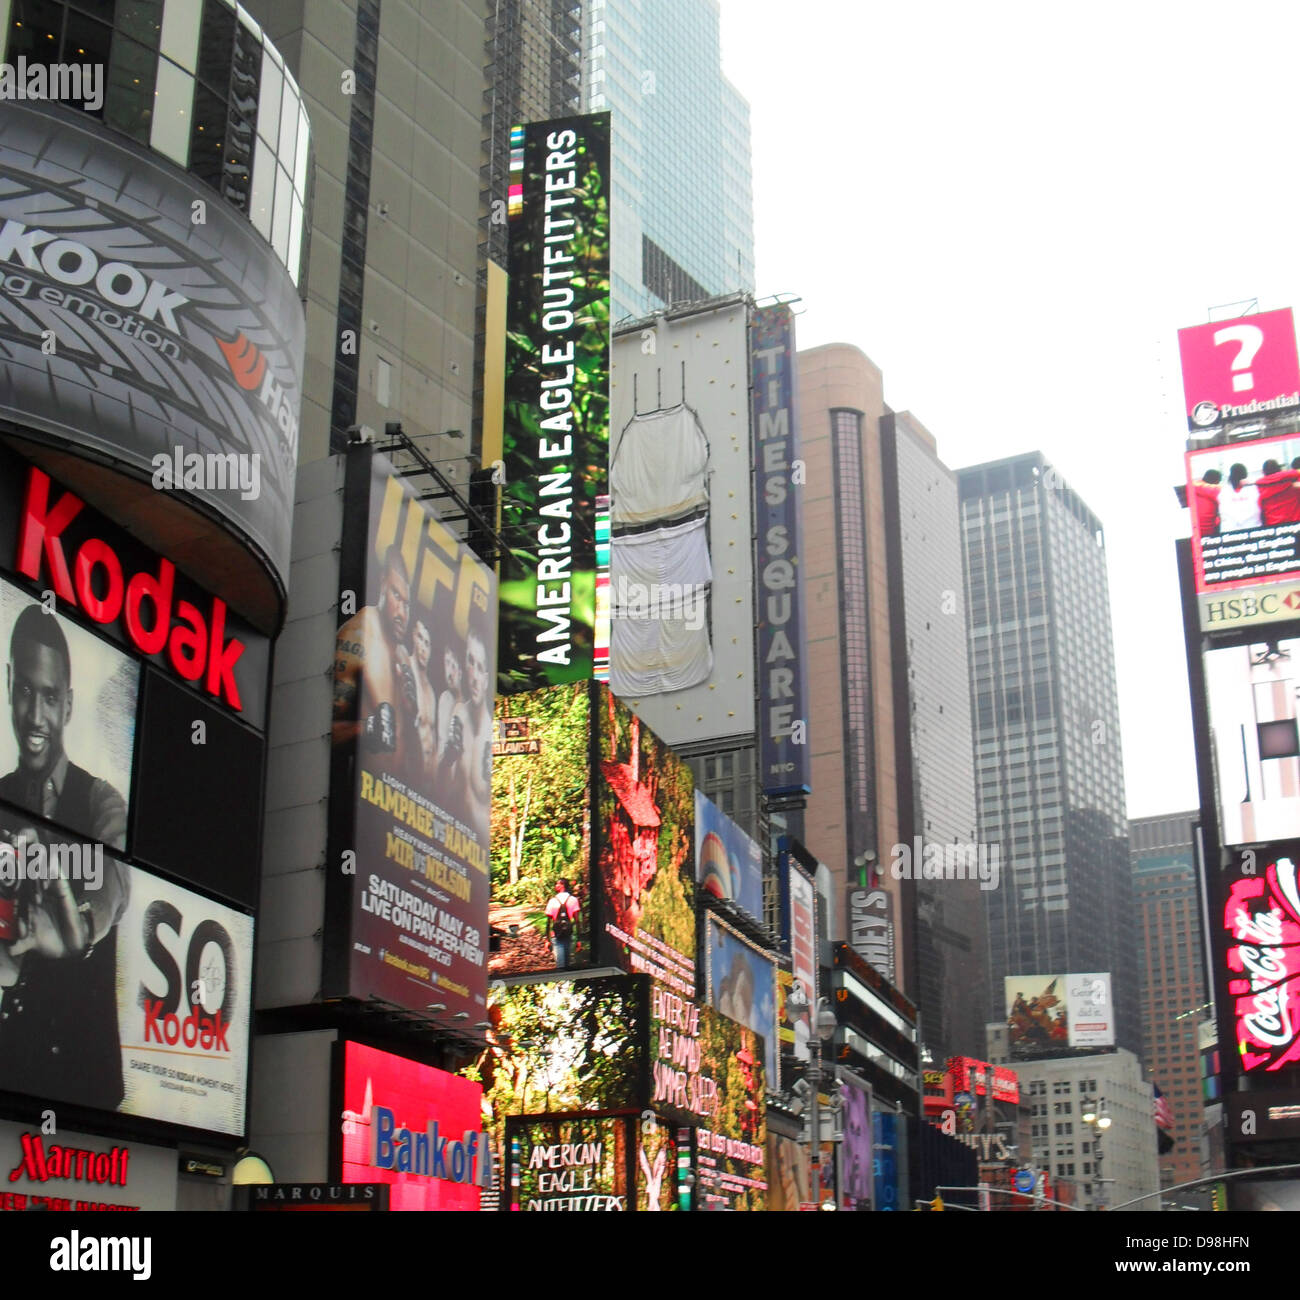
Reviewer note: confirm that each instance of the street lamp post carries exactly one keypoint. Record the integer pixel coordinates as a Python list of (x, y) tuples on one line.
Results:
[(1096, 1117), (824, 1029)]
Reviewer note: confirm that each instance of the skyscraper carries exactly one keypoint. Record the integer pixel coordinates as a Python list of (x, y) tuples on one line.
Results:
[(936, 787), (1174, 995), (1050, 777), (853, 808), (683, 212), (390, 280), (889, 712), (534, 65)]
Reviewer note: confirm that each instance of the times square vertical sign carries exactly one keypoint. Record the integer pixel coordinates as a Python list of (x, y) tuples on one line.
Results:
[(556, 426), (779, 616)]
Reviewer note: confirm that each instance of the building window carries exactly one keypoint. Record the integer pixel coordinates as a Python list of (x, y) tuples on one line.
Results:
[(665, 278), (859, 733), (183, 78)]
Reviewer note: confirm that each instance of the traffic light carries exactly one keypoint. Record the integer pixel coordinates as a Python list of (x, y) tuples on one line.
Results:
[(937, 1203)]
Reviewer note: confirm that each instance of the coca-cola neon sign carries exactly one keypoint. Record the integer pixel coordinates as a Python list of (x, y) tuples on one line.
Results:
[(1262, 918)]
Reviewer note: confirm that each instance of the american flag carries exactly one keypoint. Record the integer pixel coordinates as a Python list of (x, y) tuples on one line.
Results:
[(1163, 1111)]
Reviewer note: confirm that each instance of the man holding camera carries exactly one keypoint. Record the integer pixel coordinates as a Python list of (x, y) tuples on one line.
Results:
[(58, 951)]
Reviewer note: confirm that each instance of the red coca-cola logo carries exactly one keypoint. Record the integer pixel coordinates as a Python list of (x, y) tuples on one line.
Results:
[(1262, 917)]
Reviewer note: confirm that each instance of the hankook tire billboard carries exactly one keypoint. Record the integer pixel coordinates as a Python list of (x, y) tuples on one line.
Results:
[(140, 315)]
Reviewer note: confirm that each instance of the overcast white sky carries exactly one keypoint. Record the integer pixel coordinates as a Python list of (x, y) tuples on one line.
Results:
[(1012, 208)]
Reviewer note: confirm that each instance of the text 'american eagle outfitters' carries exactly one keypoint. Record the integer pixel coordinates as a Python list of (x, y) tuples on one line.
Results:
[(555, 444)]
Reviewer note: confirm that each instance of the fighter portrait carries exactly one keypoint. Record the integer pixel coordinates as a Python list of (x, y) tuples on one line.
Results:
[(414, 663)]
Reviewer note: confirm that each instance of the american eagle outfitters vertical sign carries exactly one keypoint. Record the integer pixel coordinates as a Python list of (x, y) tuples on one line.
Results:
[(556, 431), (779, 616)]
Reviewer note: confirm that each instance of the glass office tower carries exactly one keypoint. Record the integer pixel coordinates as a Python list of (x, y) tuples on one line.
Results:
[(1175, 999), (683, 210), (1048, 768)]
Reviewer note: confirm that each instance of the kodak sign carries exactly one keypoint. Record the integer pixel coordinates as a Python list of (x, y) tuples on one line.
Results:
[(93, 581)]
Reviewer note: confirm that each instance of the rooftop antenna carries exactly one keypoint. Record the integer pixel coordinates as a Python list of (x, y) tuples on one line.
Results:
[(1231, 310)]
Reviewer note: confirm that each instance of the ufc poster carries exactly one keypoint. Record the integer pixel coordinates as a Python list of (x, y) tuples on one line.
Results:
[(414, 670)]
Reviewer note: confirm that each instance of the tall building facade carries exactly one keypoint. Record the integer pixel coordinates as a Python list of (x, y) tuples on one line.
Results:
[(533, 62), (683, 212), (155, 182), (889, 713), (1049, 773), (391, 269), (1175, 1000), (390, 287), (534, 66), (933, 748), (853, 808), (1111, 1165)]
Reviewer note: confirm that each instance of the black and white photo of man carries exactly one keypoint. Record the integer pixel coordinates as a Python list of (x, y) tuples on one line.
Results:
[(58, 987), (68, 751), (58, 963)]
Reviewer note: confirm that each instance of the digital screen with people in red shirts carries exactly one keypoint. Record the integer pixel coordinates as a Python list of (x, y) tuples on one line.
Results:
[(1244, 499)]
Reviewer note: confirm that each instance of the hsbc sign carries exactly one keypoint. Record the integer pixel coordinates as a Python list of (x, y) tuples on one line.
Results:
[(1276, 603)]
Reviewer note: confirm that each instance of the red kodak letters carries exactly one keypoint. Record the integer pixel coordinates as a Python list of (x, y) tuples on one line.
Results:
[(96, 584)]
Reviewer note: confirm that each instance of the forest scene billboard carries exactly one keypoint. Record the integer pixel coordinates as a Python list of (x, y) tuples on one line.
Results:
[(561, 1051), (564, 1051), (592, 840), (540, 916)]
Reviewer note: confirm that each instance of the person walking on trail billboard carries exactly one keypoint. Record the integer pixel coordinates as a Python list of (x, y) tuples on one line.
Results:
[(560, 913)]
